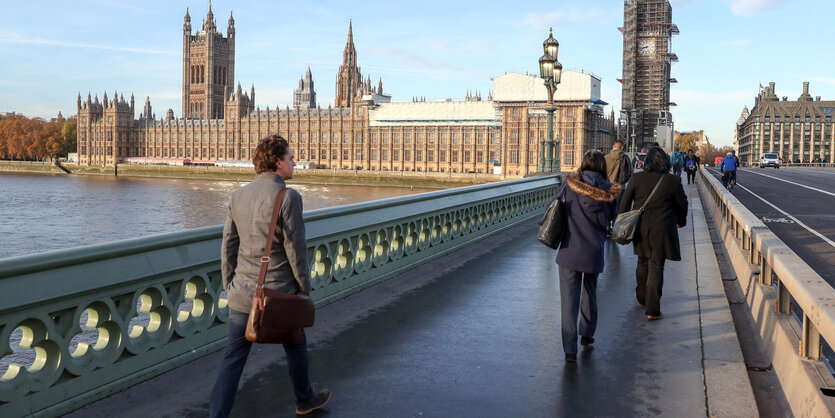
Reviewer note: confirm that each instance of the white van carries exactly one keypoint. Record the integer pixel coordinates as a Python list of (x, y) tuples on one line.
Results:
[(770, 159)]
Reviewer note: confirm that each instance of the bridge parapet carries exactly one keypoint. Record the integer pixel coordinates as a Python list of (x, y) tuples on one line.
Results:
[(773, 279), (90, 321)]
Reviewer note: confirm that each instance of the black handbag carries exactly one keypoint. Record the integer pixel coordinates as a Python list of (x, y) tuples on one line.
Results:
[(553, 225), (627, 223)]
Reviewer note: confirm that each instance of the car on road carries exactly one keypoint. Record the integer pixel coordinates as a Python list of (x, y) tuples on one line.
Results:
[(770, 160)]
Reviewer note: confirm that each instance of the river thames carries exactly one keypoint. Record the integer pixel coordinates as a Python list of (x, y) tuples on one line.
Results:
[(48, 212)]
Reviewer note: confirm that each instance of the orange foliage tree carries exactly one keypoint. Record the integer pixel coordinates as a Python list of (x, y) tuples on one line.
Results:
[(22, 138)]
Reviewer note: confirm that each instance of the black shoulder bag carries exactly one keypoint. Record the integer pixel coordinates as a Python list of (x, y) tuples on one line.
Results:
[(553, 225), (626, 224)]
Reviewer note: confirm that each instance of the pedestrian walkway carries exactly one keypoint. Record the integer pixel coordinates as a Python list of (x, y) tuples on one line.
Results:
[(476, 333)]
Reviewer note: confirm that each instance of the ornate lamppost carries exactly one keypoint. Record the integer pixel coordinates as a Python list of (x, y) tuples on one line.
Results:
[(633, 121), (550, 70)]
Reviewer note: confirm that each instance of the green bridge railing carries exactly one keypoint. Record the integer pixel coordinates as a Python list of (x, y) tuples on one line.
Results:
[(77, 325)]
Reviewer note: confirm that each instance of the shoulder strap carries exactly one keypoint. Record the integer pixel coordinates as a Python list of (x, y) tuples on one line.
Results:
[(653, 192), (265, 260)]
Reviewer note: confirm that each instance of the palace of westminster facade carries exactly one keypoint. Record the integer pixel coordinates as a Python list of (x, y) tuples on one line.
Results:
[(363, 130)]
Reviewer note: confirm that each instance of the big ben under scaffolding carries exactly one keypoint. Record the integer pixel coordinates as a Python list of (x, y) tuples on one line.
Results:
[(647, 58)]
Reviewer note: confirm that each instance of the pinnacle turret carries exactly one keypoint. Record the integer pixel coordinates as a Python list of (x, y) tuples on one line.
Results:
[(209, 23)]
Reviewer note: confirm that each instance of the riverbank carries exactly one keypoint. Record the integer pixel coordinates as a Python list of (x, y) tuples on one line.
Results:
[(244, 174)]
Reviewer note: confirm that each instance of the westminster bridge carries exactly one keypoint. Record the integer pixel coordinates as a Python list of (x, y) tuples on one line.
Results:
[(437, 304)]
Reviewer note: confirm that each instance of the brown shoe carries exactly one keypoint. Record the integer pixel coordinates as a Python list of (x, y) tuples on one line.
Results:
[(318, 400), (654, 317)]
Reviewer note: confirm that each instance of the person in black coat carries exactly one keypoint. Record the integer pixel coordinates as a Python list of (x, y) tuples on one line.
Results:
[(589, 206), (657, 238)]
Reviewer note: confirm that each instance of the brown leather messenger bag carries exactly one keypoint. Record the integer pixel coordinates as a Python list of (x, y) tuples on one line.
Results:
[(277, 317)]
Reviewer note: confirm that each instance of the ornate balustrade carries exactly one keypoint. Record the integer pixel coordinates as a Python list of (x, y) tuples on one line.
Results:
[(79, 324)]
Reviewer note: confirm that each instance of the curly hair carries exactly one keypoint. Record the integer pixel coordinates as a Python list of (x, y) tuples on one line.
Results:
[(657, 161), (268, 152)]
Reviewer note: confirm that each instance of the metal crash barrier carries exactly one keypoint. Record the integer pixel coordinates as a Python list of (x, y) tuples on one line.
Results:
[(77, 325), (774, 279)]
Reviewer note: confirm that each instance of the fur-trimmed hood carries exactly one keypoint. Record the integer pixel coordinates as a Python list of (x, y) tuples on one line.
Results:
[(584, 189)]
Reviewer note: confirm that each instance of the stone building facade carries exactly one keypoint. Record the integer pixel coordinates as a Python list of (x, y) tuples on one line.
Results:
[(304, 97), (208, 68), (798, 131), (364, 131)]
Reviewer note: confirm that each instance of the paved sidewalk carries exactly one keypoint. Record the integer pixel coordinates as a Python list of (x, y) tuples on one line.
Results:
[(476, 333)]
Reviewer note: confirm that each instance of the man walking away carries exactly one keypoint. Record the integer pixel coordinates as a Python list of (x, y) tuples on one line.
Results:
[(676, 162), (691, 165), (618, 169)]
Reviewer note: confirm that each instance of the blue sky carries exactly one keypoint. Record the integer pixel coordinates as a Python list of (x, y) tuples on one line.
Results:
[(51, 50)]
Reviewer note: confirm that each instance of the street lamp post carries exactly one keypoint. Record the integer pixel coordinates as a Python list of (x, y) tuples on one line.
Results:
[(633, 121), (550, 70)]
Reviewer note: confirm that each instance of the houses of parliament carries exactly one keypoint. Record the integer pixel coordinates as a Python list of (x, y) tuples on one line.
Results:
[(363, 130)]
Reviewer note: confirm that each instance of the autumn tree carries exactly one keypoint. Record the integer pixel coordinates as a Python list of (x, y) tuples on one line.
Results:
[(69, 135), (714, 152), (22, 138), (686, 142)]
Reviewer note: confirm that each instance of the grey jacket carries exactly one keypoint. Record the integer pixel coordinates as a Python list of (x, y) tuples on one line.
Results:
[(245, 235)]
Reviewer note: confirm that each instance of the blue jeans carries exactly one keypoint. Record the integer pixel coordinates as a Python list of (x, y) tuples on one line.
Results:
[(232, 365), (578, 295)]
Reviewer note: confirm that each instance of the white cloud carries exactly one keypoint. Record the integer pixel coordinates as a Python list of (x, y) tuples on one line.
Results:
[(751, 8), (738, 42), (825, 80), (50, 42), (409, 63), (698, 98), (462, 48), (680, 3), (575, 15)]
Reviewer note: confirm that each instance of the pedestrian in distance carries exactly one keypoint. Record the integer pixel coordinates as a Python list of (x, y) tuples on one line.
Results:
[(244, 234), (618, 169), (589, 206), (676, 161), (657, 237), (692, 163)]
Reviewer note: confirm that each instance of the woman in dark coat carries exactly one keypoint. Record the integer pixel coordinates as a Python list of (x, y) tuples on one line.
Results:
[(657, 239), (589, 206)]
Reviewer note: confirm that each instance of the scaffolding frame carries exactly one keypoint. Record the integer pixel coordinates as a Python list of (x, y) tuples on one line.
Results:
[(646, 78)]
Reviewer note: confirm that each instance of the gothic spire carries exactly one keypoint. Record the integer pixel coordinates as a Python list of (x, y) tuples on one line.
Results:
[(349, 56), (209, 23)]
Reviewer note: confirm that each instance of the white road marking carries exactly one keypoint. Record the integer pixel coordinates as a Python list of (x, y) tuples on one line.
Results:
[(790, 182), (777, 220), (797, 221)]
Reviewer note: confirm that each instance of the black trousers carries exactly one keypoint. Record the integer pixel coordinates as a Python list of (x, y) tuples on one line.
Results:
[(691, 176), (650, 279)]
